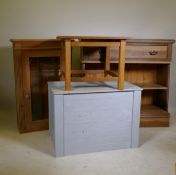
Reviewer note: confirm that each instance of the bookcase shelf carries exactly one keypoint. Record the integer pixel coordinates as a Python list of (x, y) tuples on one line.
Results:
[(151, 86), (148, 66), (153, 111), (152, 115), (128, 61)]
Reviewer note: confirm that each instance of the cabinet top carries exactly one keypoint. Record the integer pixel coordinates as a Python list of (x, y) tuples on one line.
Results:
[(27, 44), (34, 44), (91, 38), (150, 41), (129, 40), (32, 40)]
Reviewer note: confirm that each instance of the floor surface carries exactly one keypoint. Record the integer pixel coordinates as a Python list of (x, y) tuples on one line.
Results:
[(32, 154)]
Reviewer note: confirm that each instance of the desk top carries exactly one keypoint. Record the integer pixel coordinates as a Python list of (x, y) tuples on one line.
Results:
[(91, 38), (58, 87)]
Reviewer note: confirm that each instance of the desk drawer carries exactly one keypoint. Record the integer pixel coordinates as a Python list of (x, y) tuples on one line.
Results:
[(151, 52), (142, 52)]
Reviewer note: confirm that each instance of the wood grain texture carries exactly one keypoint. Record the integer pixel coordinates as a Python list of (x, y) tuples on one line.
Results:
[(35, 44), (144, 50), (62, 61), (67, 65), (154, 122), (94, 79), (23, 50), (147, 65), (132, 61), (91, 38), (151, 74), (71, 41), (121, 67), (95, 44), (107, 61)]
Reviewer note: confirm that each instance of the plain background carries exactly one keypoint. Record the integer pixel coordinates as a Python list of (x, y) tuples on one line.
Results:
[(22, 19)]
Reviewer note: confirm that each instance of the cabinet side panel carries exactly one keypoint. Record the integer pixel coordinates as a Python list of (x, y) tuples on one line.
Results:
[(19, 90)]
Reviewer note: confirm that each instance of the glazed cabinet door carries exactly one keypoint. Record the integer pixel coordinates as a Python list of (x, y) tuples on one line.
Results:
[(38, 67)]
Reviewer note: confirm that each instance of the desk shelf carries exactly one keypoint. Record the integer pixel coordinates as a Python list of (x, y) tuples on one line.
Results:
[(152, 115), (127, 61), (151, 86), (148, 66)]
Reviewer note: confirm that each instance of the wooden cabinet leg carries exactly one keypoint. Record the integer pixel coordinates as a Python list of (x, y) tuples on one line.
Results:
[(62, 61), (121, 66), (107, 60), (67, 65)]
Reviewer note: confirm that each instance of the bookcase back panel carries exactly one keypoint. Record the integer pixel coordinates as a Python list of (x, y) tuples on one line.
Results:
[(141, 73), (148, 98)]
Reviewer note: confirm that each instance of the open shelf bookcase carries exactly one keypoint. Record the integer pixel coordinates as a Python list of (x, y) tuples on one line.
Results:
[(148, 66)]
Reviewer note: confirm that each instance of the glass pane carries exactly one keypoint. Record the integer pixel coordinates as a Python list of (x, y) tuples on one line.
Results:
[(42, 70)]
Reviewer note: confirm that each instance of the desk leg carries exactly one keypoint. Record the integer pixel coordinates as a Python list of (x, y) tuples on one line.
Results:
[(67, 65), (62, 61), (107, 61), (121, 66)]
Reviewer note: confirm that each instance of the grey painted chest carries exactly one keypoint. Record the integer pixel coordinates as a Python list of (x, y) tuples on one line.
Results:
[(93, 117)]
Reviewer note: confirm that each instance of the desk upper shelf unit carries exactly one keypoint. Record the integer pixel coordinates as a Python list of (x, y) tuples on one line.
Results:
[(147, 64)]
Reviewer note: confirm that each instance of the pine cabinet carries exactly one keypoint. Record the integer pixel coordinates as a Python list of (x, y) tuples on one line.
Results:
[(35, 63)]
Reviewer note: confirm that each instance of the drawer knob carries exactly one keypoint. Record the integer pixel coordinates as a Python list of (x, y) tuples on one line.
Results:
[(153, 52)]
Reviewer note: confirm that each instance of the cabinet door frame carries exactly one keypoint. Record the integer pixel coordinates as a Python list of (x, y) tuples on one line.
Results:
[(31, 125)]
